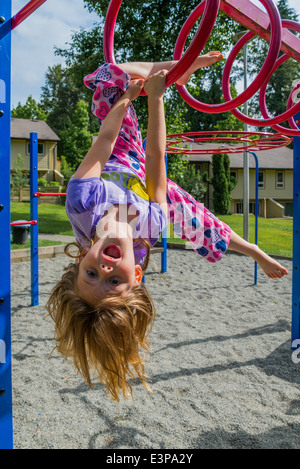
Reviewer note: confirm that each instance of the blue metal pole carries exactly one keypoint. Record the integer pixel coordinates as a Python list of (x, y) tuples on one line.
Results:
[(164, 233), (34, 230), (296, 241), (256, 209), (6, 421), (164, 236)]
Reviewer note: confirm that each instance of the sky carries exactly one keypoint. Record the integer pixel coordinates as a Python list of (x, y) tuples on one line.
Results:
[(51, 25), (33, 43)]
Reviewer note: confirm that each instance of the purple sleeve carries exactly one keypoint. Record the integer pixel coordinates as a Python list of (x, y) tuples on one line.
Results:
[(84, 194), (155, 223)]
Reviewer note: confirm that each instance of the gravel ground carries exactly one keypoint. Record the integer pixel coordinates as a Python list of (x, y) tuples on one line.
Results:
[(221, 367)]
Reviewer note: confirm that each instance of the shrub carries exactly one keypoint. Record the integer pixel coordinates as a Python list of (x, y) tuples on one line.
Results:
[(42, 182)]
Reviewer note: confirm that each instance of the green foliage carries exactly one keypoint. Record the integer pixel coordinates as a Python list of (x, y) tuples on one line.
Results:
[(191, 181), (149, 33), (19, 178), (177, 166), (66, 170), (42, 182), (30, 110), (223, 183), (76, 138)]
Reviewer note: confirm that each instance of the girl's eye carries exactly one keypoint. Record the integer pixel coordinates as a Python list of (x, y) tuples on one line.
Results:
[(91, 273), (114, 281)]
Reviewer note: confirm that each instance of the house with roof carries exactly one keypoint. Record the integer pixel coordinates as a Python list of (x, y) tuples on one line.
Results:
[(48, 165), (275, 180)]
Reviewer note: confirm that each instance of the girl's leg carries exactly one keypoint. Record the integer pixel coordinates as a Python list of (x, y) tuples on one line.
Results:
[(146, 69), (210, 237), (108, 83), (270, 266)]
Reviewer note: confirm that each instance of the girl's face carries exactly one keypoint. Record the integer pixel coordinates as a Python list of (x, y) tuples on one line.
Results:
[(108, 269)]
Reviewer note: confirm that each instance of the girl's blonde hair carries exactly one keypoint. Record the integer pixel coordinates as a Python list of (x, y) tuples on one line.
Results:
[(104, 340)]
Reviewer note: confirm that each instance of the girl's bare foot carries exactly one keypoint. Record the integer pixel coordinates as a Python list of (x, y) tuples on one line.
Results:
[(201, 61), (270, 266)]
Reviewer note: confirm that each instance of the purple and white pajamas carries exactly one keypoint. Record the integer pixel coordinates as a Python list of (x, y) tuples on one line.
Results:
[(191, 221)]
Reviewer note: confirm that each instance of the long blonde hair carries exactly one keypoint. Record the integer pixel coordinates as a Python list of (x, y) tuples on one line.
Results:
[(104, 340)]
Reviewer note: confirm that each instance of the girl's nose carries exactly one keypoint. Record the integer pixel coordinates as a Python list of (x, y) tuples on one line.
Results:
[(106, 268)]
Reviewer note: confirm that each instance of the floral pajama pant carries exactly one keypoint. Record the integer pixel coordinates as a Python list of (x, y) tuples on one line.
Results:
[(191, 221)]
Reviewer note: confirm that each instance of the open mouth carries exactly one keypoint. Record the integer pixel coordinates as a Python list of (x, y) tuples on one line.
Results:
[(112, 252)]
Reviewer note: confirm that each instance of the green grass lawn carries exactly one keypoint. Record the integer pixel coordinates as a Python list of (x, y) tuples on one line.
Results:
[(274, 235), (52, 217), (42, 243)]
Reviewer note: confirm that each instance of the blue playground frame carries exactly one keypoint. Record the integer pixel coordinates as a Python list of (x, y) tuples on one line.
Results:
[(296, 241), (6, 424), (6, 419)]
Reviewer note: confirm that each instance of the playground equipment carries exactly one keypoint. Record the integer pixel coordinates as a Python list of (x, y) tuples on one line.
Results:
[(250, 141), (267, 25), (177, 144)]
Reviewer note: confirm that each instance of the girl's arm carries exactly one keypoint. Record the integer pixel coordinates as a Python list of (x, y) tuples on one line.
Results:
[(96, 158), (156, 179)]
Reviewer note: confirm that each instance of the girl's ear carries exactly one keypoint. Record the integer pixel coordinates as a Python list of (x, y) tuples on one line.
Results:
[(138, 274)]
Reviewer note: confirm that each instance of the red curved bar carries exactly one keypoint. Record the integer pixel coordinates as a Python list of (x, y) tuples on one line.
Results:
[(32, 222), (263, 107), (262, 95), (199, 41), (26, 11), (264, 74), (41, 194), (226, 90), (109, 28), (268, 142), (207, 23), (290, 103)]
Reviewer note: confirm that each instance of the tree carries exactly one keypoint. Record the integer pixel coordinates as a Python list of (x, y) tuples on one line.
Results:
[(18, 177), (191, 181), (149, 33), (76, 138), (223, 183), (30, 110)]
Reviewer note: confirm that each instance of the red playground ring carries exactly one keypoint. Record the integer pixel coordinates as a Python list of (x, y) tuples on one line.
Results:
[(268, 121), (250, 141), (262, 77), (198, 43)]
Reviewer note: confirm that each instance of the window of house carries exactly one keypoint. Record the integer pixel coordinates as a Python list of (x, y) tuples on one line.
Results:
[(234, 174), (198, 167), (279, 180), (261, 180), (41, 148), (240, 207)]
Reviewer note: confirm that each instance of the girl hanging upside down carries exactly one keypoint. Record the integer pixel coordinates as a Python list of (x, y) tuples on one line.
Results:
[(118, 202)]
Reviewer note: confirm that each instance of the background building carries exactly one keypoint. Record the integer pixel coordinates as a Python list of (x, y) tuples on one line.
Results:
[(48, 165), (275, 180)]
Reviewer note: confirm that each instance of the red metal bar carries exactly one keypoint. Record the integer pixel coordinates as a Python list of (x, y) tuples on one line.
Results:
[(26, 11), (41, 194), (32, 222), (253, 18)]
